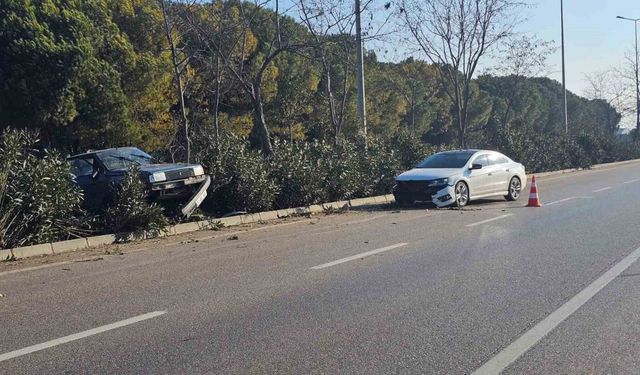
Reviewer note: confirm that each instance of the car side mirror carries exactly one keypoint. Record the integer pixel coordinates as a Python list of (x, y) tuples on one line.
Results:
[(476, 166)]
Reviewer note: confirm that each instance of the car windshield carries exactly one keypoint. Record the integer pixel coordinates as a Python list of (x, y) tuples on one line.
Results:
[(123, 158), (446, 160)]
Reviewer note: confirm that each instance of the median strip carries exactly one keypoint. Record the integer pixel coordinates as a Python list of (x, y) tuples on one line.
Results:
[(78, 336), (358, 256), (489, 220)]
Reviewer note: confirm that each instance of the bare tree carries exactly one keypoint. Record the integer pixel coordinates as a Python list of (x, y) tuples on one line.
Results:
[(233, 50), (330, 22), (613, 87), (455, 35), (179, 62)]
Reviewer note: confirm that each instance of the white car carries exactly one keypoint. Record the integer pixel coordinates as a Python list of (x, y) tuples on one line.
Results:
[(457, 177)]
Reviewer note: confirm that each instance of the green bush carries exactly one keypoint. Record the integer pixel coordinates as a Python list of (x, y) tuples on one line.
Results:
[(130, 211), (299, 170), (240, 176), (39, 201), (410, 150), (379, 165)]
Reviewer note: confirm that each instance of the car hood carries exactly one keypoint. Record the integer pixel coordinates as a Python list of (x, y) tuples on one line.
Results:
[(423, 174)]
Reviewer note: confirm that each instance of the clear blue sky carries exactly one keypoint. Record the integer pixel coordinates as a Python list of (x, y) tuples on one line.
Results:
[(595, 39)]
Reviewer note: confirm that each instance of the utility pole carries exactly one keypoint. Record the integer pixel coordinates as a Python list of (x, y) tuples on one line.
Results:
[(564, 84), (362, 107), (635, 23)]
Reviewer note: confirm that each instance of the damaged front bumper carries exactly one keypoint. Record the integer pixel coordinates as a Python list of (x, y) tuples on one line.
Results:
[(196, 199), (412, 191), (192, 190), (444, 197)]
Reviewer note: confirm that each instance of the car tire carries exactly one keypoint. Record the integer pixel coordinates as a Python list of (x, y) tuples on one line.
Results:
[(462, 194), (515, 187)]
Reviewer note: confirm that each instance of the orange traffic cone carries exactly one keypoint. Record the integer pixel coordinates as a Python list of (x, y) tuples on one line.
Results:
[(534, 200)]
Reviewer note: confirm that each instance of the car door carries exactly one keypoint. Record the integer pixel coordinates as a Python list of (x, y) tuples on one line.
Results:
[(498, 176), (91, 180), (479, 178)]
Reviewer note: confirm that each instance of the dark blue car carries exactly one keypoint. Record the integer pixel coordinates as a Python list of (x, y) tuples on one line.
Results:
[(96, 171)]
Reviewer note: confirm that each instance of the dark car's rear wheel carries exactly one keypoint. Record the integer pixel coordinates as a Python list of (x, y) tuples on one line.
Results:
[(462, 194), (514, 189)]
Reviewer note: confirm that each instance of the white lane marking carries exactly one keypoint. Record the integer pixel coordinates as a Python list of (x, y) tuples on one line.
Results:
[(361, 221), (525, 342), (358, 256), (564, 200), (631, 181), (78, 336), (489, 220), (603, 189)]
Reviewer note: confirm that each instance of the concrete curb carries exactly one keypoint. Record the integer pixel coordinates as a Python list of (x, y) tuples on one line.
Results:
[(108, 239)]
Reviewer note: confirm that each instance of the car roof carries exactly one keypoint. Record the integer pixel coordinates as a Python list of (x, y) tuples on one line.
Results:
[(93, 152)]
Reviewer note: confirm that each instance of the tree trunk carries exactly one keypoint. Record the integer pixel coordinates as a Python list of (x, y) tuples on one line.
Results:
[(259, 132), (177, 78), (216, 117)]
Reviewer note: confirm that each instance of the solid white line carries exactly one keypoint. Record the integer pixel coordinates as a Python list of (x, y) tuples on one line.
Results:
[(78, 336), (603, 189), (631, 181), (358, 256), (489, 220), (525, 342)]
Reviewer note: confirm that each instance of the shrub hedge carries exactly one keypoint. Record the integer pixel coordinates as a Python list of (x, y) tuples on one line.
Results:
[(39, 201)]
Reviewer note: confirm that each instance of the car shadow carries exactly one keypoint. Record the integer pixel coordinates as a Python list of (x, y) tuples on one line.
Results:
[(476, 205)]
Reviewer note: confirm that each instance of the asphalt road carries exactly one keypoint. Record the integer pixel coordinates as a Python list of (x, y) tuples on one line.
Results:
[(496, 287)]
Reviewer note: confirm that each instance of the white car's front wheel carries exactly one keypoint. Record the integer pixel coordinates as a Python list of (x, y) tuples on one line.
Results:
[(514, 189), (462, 194)]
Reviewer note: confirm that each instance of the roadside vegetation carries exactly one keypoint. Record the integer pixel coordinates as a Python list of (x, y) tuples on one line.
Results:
[(265, 101)]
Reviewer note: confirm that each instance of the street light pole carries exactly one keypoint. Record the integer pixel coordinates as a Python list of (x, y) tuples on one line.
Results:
[(635, 23), (564, 84), (362, 108)]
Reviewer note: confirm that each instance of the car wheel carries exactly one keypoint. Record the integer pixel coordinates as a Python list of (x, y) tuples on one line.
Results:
[(462, 194), (514, 189)]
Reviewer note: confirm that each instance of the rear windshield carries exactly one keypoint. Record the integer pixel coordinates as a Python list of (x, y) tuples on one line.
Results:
[(446, 160)]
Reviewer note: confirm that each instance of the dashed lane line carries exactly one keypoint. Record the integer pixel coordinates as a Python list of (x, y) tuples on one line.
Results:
[(602, 189), (79, 335), (488, 220), (359, 256)]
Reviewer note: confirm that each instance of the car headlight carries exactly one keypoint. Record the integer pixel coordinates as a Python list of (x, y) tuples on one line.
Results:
[(198, 170), (438, 182), (157, 177)]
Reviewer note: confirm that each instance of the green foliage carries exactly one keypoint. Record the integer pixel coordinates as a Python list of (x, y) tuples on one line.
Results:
[(39, 201), (71, 73), (130, 211), (299, 170), (541, 152), (239, 176)]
